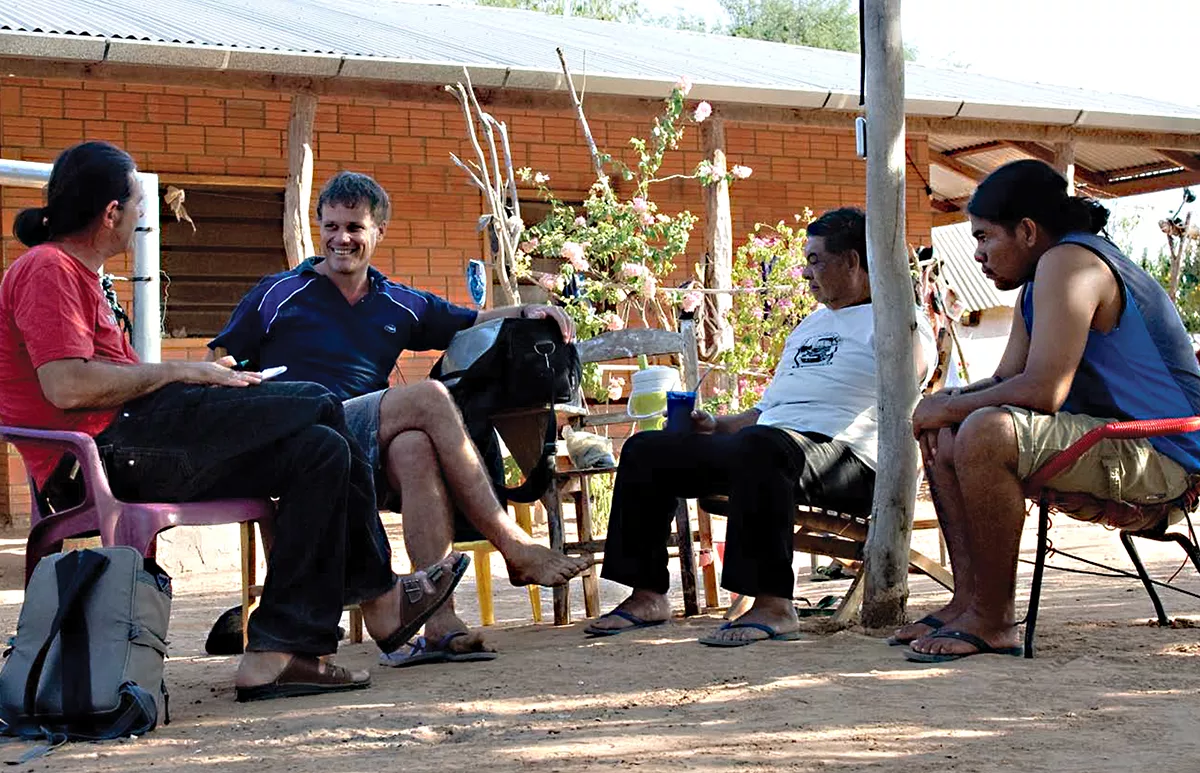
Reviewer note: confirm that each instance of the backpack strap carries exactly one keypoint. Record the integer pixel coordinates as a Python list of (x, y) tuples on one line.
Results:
[(538, 479), (76, 572)]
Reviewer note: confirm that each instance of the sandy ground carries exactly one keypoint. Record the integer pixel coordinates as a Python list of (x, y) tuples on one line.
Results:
[(1107, 693)]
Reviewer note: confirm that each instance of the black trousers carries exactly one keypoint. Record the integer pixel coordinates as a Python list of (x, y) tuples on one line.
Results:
[(280, 439), (765, 472)]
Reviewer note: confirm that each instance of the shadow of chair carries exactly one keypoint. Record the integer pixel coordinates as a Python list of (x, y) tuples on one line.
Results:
[(136, 524), (572, 483), (1150, 522)]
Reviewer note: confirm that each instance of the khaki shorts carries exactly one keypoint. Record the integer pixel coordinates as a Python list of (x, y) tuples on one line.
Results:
[(1115, 470)]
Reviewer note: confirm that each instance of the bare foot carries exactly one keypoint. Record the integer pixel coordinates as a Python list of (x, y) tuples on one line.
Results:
[(775, 613), (917, 630), (997, 636), (444, 623), (412, 600), (533, 564), (645, 605)]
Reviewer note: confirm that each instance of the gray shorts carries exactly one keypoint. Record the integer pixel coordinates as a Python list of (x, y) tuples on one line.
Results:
[(362, 419)]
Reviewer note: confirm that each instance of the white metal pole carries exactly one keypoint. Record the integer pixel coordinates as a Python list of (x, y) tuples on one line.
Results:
[(147, 315), (24, 174)]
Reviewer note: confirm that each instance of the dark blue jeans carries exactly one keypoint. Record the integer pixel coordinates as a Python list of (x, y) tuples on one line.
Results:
[(187, 442), (765, 471)]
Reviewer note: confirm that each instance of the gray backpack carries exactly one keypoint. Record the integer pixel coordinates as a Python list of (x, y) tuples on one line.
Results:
[(87, 660)]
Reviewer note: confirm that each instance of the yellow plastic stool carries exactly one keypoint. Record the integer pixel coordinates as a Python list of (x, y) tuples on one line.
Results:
[(481, 551)]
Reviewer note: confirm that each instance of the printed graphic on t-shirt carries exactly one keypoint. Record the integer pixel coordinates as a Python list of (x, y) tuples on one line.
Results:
[(817, 350)]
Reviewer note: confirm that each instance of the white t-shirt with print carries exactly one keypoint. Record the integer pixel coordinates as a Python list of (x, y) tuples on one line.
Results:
[(825, 380)]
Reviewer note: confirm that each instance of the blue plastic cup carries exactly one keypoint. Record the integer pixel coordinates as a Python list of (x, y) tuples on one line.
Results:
[(679, 411)]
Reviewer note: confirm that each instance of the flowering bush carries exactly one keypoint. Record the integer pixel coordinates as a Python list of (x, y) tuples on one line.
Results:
[(773, 298), (617, 250)]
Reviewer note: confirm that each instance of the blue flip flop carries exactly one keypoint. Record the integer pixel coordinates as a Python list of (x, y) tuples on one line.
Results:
[(981, 646), (772, 635), (634, 621), (419, 651), (928, 620)]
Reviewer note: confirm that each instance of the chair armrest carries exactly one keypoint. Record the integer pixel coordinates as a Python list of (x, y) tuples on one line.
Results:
[(1117, 430), (96, 490)]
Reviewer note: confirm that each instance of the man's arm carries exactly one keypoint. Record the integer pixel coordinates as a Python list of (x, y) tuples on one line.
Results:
[(1071, 285), (532, 311), (80, 384)]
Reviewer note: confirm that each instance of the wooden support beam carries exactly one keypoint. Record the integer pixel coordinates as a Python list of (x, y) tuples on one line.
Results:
[(943, 205), (949, 218), (956, 166), (971, 150), (886, 551), (718, 243), (1064, 163), (1163, 182), (558, 101), (1189, 161), (1093, 179), (297, 195)]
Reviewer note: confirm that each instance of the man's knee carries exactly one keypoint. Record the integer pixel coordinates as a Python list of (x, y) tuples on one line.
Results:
[(320, 446), (760, 445), (411, 449), (428, 397), (985, 437)]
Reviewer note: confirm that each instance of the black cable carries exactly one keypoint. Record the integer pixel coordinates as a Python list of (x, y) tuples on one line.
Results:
[(1112, 572), (928, 187), (862, 54)]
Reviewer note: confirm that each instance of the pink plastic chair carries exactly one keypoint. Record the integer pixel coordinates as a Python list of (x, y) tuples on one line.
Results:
[(135, 524)]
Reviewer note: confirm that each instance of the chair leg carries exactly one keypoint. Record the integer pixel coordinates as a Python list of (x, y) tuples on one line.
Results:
[(524, 518), (249, 578), (1127, 541), (483, 585), (687, 559), (583, 527), (708, 566), (1039, 566), (356, 624), (852, 601), (1188, 546), (554, 523)]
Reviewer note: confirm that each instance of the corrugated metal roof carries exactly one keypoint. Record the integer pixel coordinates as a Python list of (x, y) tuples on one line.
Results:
[(955, 247), (442, 33)]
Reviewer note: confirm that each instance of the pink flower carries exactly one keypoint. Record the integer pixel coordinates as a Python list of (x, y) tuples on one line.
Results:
[(747, 282), (649, 285), (756, 311), (647, 218), (581, 221), (548, 282), (796, 273), (572, 252), (529, 246), (703, 111), (691, 301), (783, 304), (612, 321), (684, 84), (541, 178), (759, 242), (640, 205), (616, 387), (633, 270), (741, 172)]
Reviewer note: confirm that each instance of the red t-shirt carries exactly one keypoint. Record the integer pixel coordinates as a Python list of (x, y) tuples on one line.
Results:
[(52, 308)]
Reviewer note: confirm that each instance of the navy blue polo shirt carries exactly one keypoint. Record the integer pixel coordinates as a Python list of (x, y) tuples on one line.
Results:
[(300, 319)]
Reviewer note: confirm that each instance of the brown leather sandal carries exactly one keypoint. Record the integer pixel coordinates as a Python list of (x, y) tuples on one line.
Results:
[(418, 588), (304, 675)]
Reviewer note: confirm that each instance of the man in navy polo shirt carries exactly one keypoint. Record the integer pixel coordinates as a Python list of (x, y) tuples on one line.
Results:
[(341, 323)]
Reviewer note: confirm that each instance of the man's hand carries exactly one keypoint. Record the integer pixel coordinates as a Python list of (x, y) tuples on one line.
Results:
[(932, 413), (219, 372), (703, 422), (565, 323)]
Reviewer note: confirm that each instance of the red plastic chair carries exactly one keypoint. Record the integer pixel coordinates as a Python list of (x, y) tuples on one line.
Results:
[(136, 524), (1145, 521)]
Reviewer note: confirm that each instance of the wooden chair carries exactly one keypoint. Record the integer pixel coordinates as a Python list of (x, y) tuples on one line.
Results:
[(1145, 521), (825, 533), (572, 483)]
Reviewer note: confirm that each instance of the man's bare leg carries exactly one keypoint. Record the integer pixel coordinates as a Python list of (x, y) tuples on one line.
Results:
[(412, 469), (428, 407), (938, 456), (985, 468)]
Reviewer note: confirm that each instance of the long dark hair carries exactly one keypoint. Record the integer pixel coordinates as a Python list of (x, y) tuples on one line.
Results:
[(85, 178), (1032, 189)]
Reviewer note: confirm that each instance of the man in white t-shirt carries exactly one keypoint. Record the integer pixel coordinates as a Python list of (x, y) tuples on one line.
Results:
[(810, 440)]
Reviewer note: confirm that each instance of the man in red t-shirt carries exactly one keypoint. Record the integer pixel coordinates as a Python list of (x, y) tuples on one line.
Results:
[(193, 431)]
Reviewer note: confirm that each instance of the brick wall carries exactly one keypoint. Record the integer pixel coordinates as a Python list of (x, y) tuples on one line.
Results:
[(172, 130)]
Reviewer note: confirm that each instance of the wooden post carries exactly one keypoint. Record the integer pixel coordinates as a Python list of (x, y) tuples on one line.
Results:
[(886, 554), (718, 244), (1064, 162), (297, 195)]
